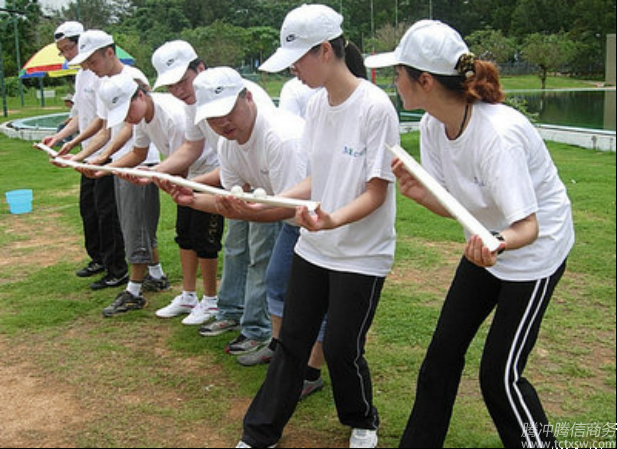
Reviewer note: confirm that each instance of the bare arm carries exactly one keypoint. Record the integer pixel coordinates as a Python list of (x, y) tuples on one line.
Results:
[(182, 159), (212, 178), (520, 234), (360, 208), (71, 128), (413, 189), (92, 129)]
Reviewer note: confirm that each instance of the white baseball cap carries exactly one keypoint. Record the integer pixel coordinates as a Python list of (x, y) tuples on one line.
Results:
[(89, 42), (217, 92), (304, 28), (429, 45), (67, 30), (171, 62), (116, 94)]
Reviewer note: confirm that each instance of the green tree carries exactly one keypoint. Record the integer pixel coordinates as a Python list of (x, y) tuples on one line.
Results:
[(27, 25), (548, 52), (263, 41), (388, 37), (219, 44), (93, 14), (492, 45)]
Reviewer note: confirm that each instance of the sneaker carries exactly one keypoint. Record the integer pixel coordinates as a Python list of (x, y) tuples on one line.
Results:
[(243, 345), (109, 281), (261, 357), (179, 306), (311, 388), (156, 285), (363, 438), (219, 328), (203, 312), (93, 268), (125, 302)]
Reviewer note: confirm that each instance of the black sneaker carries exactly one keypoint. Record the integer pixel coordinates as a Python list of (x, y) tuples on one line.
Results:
[(156, 285), (110, 282), (90, 270), (125, 302)]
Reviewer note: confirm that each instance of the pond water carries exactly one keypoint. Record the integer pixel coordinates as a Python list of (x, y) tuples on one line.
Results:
[(594, 109), (44, 122), (589, 108)]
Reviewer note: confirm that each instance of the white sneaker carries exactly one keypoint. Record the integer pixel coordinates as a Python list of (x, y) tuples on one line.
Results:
[(178, 306), (203, 312), (363, 438)]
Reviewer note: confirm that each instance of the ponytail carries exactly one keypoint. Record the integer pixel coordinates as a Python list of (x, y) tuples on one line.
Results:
[(484, 84), (478, 80), (352, 55)]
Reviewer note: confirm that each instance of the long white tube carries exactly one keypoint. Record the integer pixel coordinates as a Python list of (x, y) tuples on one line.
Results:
[(274, 201), (451, 204)]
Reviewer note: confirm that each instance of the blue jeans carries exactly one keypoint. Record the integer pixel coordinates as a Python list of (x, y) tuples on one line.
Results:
[(243, 296), (279, 272)]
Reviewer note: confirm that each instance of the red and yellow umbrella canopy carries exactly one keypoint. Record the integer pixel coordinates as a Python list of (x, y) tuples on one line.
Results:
[(48, 61)]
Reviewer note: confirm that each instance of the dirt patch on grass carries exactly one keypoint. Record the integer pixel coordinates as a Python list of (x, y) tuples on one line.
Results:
[(37, 242), (431, 278), (35, 411)]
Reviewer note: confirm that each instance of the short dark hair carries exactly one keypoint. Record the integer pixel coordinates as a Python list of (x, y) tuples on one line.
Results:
[(194, 65)]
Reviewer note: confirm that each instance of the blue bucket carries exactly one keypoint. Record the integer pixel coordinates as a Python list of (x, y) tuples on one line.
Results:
[(20, 201)]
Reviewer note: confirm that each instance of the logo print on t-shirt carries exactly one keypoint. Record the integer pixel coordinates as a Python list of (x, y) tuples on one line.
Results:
[(348, 151)]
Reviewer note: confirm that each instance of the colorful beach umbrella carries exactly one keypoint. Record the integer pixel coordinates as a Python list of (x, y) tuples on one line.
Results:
[(47, 61)]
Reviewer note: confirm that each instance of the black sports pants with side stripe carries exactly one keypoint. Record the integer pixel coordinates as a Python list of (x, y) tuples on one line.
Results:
[(511, 400), (350, 301)]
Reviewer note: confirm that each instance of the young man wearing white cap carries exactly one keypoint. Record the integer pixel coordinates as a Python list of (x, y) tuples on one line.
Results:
[(97, 204), (178, 65), (138, 206), (258, 150), (160, 119)]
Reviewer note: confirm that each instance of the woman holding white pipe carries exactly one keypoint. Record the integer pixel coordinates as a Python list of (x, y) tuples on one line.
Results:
[(491, 158), (347, 247)]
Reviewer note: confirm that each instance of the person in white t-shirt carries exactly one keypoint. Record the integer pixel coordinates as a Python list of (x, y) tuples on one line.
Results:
[(259, 150), (295, 96), (240, 304), (347, 247), (492, 159), (138, 206), (160, 119), (97, 203)]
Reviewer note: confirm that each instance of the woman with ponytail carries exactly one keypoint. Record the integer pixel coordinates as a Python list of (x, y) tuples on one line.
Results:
[(492, 159), (347, 247)]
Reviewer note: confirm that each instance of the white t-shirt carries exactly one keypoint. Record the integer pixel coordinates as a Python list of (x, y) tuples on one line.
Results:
[(86, 87), (502, 172), (102, 111), (166, 130), (271, 159), (295, 96), (347, 148)]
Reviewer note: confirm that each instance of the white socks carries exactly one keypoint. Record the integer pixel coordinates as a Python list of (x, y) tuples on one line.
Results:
[(156, 271), (189, 296), (134, 288)]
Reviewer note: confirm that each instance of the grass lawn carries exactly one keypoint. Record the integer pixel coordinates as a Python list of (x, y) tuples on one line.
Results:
[(139, 381)]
